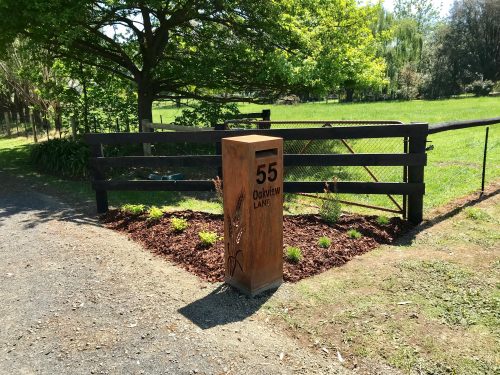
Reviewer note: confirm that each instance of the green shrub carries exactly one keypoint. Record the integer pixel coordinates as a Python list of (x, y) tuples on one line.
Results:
[(208, 239), (480, 88), (324, 242), (155, 213), (476, 214), (293, 254), (330, 206), (133, 209), (207, 114), (382, 220), (354, 234), (61, 157), (178, 224)]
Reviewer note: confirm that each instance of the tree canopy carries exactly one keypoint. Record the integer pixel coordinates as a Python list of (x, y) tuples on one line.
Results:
[(225, 50)]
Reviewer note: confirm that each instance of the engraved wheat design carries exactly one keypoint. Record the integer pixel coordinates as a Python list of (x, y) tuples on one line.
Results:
[(236, 229)]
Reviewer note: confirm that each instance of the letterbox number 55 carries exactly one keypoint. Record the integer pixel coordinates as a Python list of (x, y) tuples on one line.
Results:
[(272, 173)]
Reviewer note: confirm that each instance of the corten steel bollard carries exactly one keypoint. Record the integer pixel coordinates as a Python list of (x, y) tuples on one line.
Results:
[(253, 212)]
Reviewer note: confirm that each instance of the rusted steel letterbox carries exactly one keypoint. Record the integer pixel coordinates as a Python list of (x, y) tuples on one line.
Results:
[(252, 168)]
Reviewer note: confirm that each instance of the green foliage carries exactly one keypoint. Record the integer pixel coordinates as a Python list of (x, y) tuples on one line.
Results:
[(293, 254), (324, 242), (476, 214), (207, 238), (382, 220), (205, 114), (480, 87), (178, 224), (154, 213), (61, 157), (354, 234), (133, 209), (330, 207)]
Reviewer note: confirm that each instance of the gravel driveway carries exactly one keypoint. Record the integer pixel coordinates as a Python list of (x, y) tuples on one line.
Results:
[(77, 298)]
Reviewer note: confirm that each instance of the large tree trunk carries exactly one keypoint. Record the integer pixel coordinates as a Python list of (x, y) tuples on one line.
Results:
[(349, 94), (144, 103)]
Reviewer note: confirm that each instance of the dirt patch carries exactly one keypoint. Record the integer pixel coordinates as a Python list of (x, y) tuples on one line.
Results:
[(301, 231)]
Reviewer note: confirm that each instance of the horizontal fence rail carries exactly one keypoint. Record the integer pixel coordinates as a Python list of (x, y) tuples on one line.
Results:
[(445, 126), (289, 160), (289, 187), (370, 131), (413, 161)]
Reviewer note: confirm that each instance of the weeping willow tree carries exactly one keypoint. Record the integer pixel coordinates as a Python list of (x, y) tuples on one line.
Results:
[(402, 35)]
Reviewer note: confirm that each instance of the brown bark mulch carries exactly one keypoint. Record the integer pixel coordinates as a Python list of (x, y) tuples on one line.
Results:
[(302, 231)]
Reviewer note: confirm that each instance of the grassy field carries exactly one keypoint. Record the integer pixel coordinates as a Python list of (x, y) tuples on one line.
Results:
[(413, 111), (453, 167), (431, 307)]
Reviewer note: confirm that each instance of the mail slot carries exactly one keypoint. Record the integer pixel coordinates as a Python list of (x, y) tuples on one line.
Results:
[(252, 167)]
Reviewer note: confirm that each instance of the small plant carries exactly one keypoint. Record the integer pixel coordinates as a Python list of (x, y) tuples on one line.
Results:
[(382, 220), (330, 206), (208, 239), (218, 190), (324, 242), (155, 213), (133, 209), (476, 214), (293, 254), (354, 234), (178, 224)]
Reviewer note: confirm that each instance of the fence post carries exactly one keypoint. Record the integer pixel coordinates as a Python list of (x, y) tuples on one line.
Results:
[(218, 148), (73, 127), (416, 175), (101, 196), (266, 116), (146, 146), (33, 126), (7, 123)]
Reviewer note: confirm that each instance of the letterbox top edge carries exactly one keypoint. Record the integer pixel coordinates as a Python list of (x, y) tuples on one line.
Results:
[(252, 138)]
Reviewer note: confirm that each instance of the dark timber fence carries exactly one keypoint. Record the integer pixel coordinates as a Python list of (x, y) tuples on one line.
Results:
[(414, 161)]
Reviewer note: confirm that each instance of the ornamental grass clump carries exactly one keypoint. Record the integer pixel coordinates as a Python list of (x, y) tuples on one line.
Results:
[(294, 254), (133, 209), (207, 239), (354, 234), (178, 224), (382, 220), (329, 211), (154, 213), (324, 242)]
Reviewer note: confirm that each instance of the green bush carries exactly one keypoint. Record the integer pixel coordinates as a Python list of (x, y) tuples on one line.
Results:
[(354, 234), (208, 239), (207, 114), (382, 220), (155, 213), (133, 209), (293, 254), (61, 157), (324, 242), (330, 207), (480, 88), (178, 224)]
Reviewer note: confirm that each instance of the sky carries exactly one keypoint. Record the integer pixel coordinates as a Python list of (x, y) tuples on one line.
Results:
[(444, 5)]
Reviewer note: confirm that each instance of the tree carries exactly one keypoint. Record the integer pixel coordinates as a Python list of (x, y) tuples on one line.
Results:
[(168, 49), (466, 49), (473, 40), (224, 50)]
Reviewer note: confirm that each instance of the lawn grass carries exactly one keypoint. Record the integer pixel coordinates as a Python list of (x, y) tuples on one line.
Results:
[(431, 111), (426, 308)]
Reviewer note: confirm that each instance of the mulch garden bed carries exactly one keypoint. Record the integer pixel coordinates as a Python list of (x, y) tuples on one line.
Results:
[(302, 231)]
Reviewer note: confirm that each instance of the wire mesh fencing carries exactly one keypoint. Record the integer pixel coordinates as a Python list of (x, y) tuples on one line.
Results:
[(340, 146), (455, 161)]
